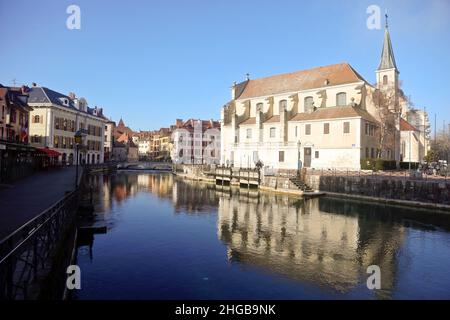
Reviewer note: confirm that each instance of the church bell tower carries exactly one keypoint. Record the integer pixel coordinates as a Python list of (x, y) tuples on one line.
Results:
[(387, 72)]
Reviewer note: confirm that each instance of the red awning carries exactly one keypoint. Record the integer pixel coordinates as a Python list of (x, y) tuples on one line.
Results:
[(49, 152)]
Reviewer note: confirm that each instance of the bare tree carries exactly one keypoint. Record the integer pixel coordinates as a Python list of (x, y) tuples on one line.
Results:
[(387, 108), (441, 146)]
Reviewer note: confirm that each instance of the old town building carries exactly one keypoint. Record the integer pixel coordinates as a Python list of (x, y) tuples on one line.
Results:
[(17, 158), (123, 135), (415, 134), (196, 141), (55, 119), (108, 142)]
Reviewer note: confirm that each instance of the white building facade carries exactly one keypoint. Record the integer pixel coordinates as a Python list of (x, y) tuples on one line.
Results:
[(108, 142), (196, 142), (55, 119), (144, 146)]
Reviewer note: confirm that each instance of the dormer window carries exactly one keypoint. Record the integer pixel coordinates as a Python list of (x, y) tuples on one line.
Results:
[(309, 102), (64, 101)]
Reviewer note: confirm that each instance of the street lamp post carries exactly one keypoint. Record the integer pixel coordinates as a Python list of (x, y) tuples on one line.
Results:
[(298, 156), (78, 140), (409, 162)]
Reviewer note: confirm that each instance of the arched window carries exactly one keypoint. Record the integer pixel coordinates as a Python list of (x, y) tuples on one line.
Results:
[(308, 103), (385, 79), (341, 99), (37, 119)]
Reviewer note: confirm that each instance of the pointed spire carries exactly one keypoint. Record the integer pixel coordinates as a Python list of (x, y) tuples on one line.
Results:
[(387, 55)]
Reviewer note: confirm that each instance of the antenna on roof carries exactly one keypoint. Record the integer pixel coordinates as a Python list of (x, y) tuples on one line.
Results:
[(14, 82), (247, 76), (386, 16)]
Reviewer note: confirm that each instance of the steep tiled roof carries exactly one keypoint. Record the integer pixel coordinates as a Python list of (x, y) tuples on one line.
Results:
[(14, 96), (251, 120), (336, 74), (406, 126), (46, 95), (334, 113), (206, 124), (123, 138), (272, 119)]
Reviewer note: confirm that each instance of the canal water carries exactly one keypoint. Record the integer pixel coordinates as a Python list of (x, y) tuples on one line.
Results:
[(169, 238)]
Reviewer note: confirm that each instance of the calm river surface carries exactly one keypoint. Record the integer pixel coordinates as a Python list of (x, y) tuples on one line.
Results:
[(169, 238)]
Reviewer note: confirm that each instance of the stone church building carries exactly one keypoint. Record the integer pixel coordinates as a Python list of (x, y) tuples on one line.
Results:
[(325, 117)]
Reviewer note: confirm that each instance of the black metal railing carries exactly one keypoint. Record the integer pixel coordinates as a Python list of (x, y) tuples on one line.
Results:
[(26, 254)]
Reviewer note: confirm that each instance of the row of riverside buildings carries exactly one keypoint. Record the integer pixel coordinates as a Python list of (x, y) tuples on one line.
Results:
[(184, 142), (38, 126), (325, 117)]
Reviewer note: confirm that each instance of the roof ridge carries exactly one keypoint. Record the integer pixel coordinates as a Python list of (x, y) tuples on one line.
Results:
[(298, 71)]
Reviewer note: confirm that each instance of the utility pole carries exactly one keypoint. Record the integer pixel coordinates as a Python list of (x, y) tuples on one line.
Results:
[(424, 134), (435, 126)]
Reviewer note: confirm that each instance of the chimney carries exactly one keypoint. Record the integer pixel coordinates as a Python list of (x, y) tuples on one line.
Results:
[(179, 123), (25, 89)]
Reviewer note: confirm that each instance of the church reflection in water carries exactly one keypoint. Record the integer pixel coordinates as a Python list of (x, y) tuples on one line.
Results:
[(324, 241)]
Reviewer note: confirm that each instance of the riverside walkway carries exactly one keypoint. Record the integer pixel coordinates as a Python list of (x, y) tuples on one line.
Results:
[(30, 196)]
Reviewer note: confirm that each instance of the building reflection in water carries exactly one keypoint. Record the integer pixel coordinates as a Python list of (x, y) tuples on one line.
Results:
[(326, 242), (320, 241)]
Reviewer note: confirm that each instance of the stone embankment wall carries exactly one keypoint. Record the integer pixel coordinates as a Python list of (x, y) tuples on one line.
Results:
[(276, 183), (395, 188)]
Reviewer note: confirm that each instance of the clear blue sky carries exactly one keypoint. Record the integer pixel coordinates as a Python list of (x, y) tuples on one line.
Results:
[(153, 61)]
